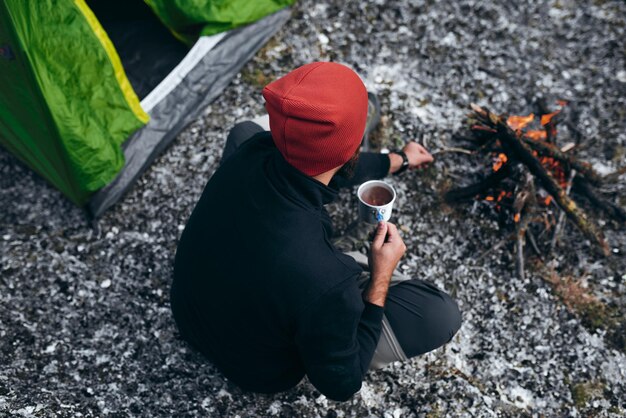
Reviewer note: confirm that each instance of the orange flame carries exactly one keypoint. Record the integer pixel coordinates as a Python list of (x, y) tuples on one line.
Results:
[(500, 160), (519, 122), (556, 170), (545, 119), (536, 135), (516, 217), (553, 166)]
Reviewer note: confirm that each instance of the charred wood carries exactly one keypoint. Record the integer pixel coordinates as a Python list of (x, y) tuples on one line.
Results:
[(583, 188), (533, 243), (524, 206), (541, 106), (469, 192), (560, 223), (549, 150)]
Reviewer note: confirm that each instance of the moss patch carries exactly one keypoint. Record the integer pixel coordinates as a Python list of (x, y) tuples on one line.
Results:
[(257, 72), (584, 392), (256, 77), (593, 313)]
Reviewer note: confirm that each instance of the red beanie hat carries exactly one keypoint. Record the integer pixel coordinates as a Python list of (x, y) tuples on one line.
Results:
[(317, 115)]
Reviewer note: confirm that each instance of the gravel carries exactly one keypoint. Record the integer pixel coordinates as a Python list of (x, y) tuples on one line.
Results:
[(85, 325)]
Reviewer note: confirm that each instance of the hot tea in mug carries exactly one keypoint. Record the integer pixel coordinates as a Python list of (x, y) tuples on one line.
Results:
[(377, 196), (376, 200)]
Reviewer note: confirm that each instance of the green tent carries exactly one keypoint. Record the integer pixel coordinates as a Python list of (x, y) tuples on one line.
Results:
[(91, 92)]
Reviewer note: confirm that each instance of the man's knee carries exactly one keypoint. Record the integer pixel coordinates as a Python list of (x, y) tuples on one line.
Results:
[(451, 316), (239, 134), (422, 316), (443, 314), (243, 131)]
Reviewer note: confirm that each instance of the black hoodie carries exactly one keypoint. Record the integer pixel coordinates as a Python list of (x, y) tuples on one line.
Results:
[(258, 287)]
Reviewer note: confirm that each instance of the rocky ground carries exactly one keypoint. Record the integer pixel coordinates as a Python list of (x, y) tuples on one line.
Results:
[(85, 325)]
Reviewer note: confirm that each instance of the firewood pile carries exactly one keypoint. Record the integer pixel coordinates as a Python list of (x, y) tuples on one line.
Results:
[(535, 181)]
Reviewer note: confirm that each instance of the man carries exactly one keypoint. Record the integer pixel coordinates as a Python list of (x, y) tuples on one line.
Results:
[(260, 289)]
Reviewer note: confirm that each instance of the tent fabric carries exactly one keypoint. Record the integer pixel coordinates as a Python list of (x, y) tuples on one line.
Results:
[(67, 108), (65, 103), (188, 19), (191, 87)]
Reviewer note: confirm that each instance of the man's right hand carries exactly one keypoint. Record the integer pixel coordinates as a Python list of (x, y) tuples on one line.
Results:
[(386, 250), (417, 155)]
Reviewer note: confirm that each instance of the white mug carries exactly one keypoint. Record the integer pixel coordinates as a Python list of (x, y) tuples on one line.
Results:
[(376, 200)]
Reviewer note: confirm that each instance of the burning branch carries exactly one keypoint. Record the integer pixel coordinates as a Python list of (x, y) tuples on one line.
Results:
[(469, 192), (583, 188), (514, 146), (529, 173), (523, 206), (550, 150)]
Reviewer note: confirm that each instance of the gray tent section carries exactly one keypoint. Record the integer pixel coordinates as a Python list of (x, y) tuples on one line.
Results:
[(183, 95)]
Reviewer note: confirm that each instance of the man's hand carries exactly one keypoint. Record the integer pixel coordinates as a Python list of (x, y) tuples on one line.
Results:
[(386, 250), (418, 157)]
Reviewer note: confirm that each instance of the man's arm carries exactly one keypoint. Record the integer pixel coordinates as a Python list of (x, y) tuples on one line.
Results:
[(372, 165), (385, 252), (336, 337), (338, 334)]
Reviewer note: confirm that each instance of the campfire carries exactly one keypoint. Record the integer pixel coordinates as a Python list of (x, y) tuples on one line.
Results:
[(531, 179)]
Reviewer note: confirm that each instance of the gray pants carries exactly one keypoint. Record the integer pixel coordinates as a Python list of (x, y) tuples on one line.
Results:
[(418, 317), (388, 349)]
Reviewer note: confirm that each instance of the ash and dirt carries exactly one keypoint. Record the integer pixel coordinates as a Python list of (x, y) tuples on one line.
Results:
[(85, 325)]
